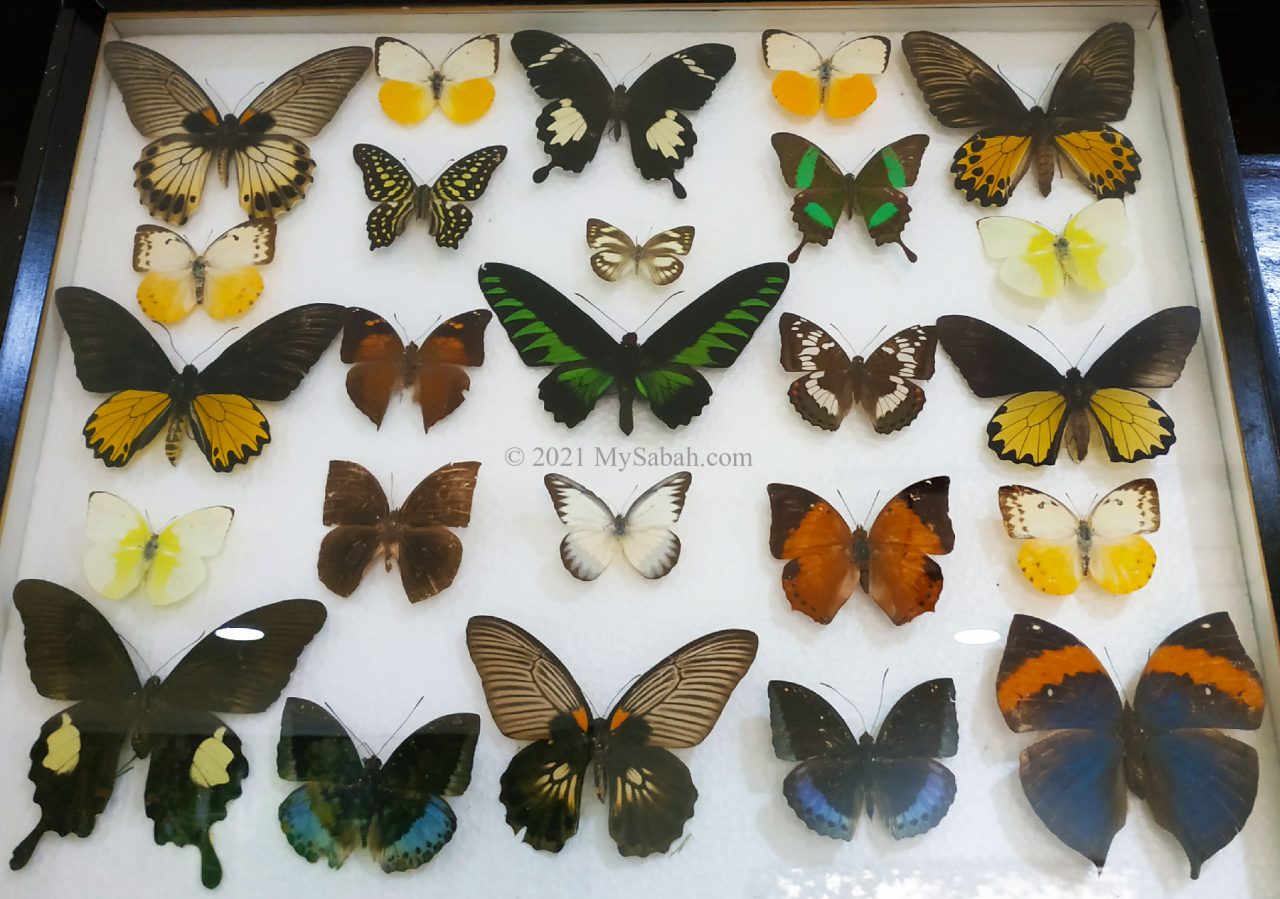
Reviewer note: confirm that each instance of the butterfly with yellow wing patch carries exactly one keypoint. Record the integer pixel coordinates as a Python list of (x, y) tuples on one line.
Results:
[(1049, 407), (115, 354), (224, 279), (413, 86), (1061, 548), (807, 81), (273, 165), (1095, 87)]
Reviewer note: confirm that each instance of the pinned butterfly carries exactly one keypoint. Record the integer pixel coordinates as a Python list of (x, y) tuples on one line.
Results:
[(126, 552), (658, 258), (382, 366), (598, 535), (1094, 88), (1166, 747), (397, 809), (416, 535), (646, 788), (826, 193), (197, 763), (273, 165), (115, 354), (412, 86), (441, 205), (896, 775), (807, 81), (224, 279), (832, 382), (583, 107), (547, 329), (1050, 408)]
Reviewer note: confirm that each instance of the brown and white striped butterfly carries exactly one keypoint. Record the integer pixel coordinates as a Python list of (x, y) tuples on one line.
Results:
[(657, 258), (833, 381), (273, 166)]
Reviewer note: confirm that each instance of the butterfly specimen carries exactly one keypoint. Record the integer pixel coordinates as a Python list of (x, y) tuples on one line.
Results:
[(826, 560), (273, 166), (896, 775), (397, 809), (197, 764), (416, 535), (657, 258), (224, 278), (833, 382), (125, 551), (1050, 407), (1092, 250), (1061, 548), (583, 106), (547, 329), (598, 535), (413, 86), (115, 354), (807, 81), (648, 791), (826, 193), (1095, 87), (442, 205), (381, 365), (1199, 783)]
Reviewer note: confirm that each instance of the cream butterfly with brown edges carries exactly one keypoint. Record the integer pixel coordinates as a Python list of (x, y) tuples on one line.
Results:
[(657, 258), (224, 279)]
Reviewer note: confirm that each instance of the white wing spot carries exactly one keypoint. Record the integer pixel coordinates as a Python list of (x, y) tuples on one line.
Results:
[(567, 124)]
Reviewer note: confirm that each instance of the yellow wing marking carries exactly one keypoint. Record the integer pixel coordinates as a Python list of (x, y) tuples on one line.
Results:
[(232, 293), (167, 298), (1028, 427), (229, 429), (62, 753), (209, 764), (1133, 425), (1122, 566), (405, 102), (798, 93), (987, 168), (1051, 567), (126, 423), (850, 96), (467, 101), (1104, 160)]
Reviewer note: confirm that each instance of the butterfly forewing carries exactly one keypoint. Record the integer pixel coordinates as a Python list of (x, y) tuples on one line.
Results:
[(903, 580), (805, 726)]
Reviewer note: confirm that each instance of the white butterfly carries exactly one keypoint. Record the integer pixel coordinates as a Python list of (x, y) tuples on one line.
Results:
[(1062, 548), (655, 258), (1092, 250), (224, 278), (808, 81), (125, 550), (597, 535), (415, 86)]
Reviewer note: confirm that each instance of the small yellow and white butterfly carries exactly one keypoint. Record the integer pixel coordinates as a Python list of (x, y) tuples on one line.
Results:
[(414, 86), (1092, 250), (1061, 549), (656, 258), (125, 550), (224, 278), (807, 81)]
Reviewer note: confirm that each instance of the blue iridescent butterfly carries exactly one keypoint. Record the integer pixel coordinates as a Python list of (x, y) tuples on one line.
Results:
[(896, 774), (1198, 782), (396, 809)]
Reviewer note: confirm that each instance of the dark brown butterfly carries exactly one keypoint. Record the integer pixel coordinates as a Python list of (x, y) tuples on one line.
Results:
[(833, 381), (417, 534), (1095, 87), (382, 365)]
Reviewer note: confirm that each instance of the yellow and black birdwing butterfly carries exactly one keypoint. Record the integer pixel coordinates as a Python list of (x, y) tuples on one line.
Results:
[(649, 793), (197, 764), (115, 354), (273, 166), (1095, 87), (1049, 407)]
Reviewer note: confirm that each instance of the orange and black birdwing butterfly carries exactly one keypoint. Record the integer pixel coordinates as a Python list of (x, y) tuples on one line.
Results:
[(416, 535), (382, 366), (1095, 87), (826, 560)]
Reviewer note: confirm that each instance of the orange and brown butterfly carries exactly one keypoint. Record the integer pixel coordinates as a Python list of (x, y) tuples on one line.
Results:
[(416, 535), (891, 561), (1095, 87), (382, 366), (807, 81)]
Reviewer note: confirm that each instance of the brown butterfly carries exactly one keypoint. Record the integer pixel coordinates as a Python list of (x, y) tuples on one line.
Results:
[(416, 534), (382, 365), (891, 561)]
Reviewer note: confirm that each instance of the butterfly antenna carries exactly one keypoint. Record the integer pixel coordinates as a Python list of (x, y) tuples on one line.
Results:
[(863, 351), (1088, 346), (604, 65), (1052, 344), (631, 680), (1114, 670), (659, 309), (399, 324), (214, 344), (840, 494), (1053, 77), (173, 346), (880, 703), (627, 74), (137, 654), (429, 329), (398, 727), (252, 88), (601, 311), (178, 653), (355, 736), (1034, 100), (856, 711), (679, 846)]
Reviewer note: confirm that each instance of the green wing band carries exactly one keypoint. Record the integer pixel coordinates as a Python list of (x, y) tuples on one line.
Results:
[(544, 326), (713, 330)]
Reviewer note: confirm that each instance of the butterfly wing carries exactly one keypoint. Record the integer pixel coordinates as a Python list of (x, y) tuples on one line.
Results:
[(850, 90), (356, 505), (1120, 560), (430, 554), (1098, 253), (592, 543), (388, 183), (1050, 558), (169, 290), (824, 395), (457, 343), (661, 137), (118, 534), (648, 542), (461, 182), (1200, 783), (878, 190), (376, 354), (1050, 681), (909, 787), (886, 396), (659, 256), (232, 283), (903, 580), (798, 85), (613, 249), (406, 95), (573, 122), (467, 92), (823, 195), (1029, 261), (181, 548), (813, 537)]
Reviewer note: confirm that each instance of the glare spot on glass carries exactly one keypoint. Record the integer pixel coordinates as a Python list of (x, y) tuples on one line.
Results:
[(977, 636), (243, 634)]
